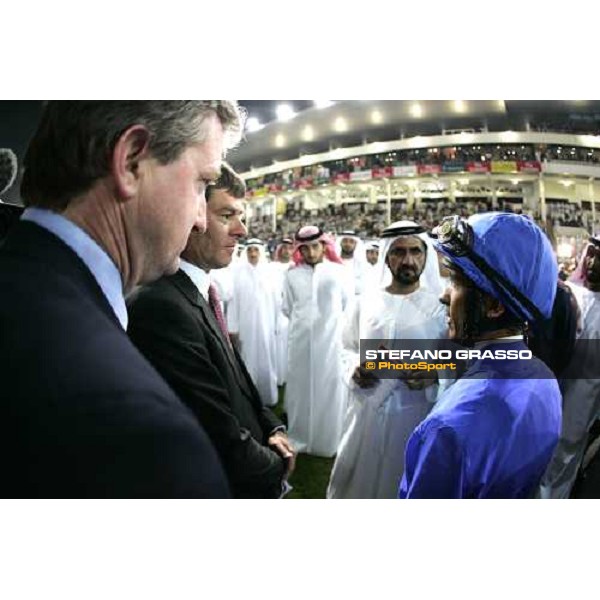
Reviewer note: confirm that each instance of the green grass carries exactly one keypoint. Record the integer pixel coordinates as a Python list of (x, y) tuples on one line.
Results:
[(311, 476)]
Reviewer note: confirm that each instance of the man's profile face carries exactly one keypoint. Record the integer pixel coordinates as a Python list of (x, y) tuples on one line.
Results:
[(313, 252), (372, 256), (224, 228), (253, 254), (455, 299), (172, 201), (347, 245), (406, 259)]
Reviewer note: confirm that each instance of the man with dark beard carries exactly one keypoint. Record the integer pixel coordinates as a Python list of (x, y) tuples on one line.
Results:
[(350, 248), (383, 413), (370, 269)]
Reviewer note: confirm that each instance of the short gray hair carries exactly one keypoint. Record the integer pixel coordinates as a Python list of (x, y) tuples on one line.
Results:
[(74, 142)]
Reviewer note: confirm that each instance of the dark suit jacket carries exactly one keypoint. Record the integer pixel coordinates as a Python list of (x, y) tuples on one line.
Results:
[(174, 327), (83, 414)]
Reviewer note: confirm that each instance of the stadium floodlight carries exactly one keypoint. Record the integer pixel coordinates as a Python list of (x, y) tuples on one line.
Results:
[(285, 112), (253, 124), (416, 110), (340, 124), (376, 117), (308, 133), (280, 140), (460, 106), (323, 103)]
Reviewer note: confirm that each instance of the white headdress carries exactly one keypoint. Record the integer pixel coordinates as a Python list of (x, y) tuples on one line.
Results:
[(430, 277)]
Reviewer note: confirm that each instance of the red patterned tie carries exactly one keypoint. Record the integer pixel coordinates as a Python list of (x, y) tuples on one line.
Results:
[(215, 305)]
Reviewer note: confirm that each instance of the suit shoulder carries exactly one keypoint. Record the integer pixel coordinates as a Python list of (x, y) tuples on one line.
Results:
[(160, 293)]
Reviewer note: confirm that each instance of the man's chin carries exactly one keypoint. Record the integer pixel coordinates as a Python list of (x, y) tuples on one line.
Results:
[(149, 277), (224, 261), (173, 267), (407, 280)]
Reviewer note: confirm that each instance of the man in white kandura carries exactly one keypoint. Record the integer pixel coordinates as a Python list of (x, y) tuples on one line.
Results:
[(370, 269), (580, 383), (279, 267), (383, 413), (351, 250), (252, 319), (316, 292)]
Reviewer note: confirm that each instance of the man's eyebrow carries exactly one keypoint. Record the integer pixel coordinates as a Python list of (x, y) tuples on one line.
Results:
[(231, 211)]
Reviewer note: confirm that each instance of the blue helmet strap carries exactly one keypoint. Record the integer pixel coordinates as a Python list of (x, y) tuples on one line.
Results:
[(503, 286), (471, 329), (477, 323)]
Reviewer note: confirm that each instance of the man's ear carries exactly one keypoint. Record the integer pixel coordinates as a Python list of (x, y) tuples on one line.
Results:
[(494, 309), (131, 147)]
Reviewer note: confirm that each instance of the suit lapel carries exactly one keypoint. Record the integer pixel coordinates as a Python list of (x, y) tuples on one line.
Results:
[(185, 285)]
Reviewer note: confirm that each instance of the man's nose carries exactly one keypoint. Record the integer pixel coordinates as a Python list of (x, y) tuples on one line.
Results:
[(445, 297), (240, 230), (200, 222)]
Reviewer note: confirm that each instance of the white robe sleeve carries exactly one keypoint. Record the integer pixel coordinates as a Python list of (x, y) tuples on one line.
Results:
[(275, 300), (347, 288), (287, 300), (351, 343)]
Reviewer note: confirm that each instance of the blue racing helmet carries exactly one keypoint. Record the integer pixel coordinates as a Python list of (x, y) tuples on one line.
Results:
[(505, 255)]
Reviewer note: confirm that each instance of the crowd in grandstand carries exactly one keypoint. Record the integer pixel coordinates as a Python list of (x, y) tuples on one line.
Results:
[(475, 158), (369, 220)]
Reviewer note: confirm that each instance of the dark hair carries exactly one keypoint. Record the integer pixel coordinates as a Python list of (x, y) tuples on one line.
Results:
[(229, 181), (73, 144)]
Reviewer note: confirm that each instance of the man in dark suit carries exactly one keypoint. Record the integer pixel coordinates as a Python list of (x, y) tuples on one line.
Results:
[(112, 191), (178, 324)]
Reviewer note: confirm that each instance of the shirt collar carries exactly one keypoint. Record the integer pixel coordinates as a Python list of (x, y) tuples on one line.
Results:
[(508, 338), (94, 257), (200, 278)]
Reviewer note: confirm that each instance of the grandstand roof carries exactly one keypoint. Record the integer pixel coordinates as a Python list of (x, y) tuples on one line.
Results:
[(354, 122)]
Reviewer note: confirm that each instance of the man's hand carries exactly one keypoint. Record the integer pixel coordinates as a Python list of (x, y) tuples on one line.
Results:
[(280, 443), (364, 378), (419, 380)]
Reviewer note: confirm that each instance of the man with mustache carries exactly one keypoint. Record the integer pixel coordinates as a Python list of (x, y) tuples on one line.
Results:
[(402, 304), (279, 267), (353, 257), (255, 329)]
